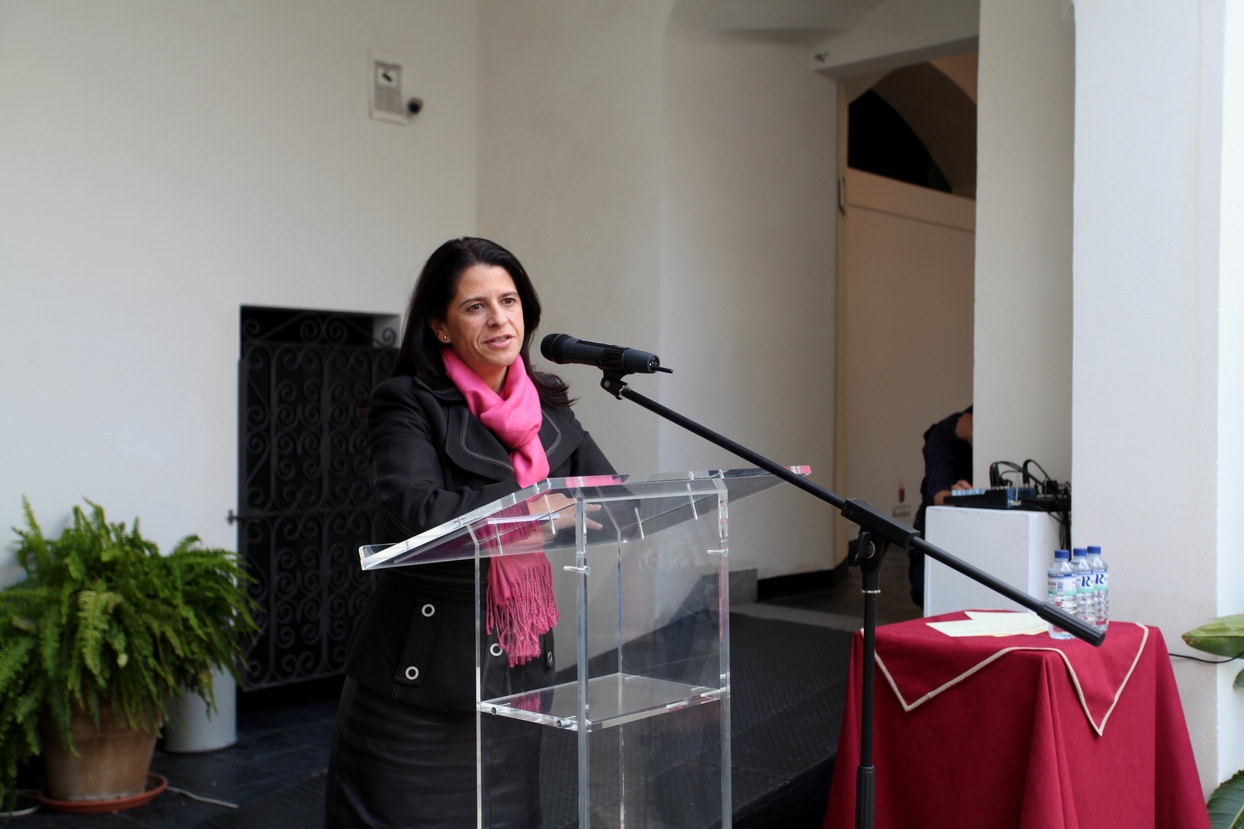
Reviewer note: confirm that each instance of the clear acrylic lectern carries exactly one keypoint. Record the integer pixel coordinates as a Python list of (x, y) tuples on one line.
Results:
[(635, 724)]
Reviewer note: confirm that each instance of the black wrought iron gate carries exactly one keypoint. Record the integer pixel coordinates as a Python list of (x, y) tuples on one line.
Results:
[(304, 504)]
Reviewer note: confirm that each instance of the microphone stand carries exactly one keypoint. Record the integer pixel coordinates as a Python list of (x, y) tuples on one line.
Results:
[(877, 533)]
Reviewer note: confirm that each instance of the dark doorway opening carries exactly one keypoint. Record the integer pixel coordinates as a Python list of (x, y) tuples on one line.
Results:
[(880, 141), (304, 503)]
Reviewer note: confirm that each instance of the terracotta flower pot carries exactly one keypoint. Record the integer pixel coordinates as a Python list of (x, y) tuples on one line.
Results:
[(112, 762)]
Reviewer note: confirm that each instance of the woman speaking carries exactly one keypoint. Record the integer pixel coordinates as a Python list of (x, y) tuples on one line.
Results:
[(461, 422)]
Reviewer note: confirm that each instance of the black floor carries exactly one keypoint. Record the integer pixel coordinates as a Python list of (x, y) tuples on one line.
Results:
[(843, 605), (283, 738), (275, 771)]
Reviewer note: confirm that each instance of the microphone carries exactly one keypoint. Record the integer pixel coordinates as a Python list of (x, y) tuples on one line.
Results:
[(563, 348)]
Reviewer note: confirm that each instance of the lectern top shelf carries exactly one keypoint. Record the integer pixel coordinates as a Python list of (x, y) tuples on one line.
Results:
[(632, 506)]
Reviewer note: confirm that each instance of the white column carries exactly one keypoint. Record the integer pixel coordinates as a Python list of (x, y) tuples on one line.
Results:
[(1229, 562), (1156, 397), (1022, 375)]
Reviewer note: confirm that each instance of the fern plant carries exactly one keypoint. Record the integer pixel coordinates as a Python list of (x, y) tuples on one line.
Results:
[(102, 619)]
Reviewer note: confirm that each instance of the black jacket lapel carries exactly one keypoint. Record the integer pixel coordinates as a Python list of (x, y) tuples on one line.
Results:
[(471, 446)]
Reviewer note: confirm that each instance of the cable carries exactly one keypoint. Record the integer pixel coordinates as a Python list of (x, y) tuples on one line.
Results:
[(996, 478), (1038, 466), (1063, 517), (202, 799), (32, 809), (29, 794), (1206, 661)]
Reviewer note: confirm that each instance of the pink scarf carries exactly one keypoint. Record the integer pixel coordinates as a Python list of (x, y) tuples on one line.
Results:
[(520, 587)]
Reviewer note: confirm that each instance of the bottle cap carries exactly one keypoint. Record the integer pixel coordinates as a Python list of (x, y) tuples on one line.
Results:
[(1094, 551), (1079, 552), (1061, 554)]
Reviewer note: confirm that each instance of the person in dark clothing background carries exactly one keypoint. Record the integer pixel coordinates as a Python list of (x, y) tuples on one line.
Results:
[(947, 466)]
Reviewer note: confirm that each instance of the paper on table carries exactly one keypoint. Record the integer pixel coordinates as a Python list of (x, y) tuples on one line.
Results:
[(993, 623)]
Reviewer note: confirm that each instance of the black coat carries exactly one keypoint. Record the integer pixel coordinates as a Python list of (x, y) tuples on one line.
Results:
[(431, 460)]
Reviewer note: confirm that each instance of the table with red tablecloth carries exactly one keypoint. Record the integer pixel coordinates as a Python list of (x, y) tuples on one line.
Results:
[(1020, 731)]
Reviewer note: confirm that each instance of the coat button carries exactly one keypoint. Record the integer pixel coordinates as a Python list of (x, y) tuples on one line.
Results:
[(412, 673), (548, 659), (428, 610), (495, 650)]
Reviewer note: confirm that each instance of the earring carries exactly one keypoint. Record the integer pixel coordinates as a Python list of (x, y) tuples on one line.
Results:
[(445, 338)]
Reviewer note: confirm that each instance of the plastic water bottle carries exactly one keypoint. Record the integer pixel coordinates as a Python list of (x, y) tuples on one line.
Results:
[(1101, 586), (1062, 589), (1086, 596)]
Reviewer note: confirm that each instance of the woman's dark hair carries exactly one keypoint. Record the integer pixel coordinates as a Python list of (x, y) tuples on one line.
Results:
[(419, 354)]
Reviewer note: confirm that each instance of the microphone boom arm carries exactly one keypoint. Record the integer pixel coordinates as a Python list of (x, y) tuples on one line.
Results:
[(862, 514)]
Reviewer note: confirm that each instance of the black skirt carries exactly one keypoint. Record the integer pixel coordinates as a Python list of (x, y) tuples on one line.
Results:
[(393, 765)]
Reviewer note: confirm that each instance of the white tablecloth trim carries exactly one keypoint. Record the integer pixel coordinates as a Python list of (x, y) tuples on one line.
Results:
[(1075, 680)]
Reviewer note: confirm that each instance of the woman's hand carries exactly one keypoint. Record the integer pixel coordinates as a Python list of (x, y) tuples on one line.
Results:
[(557, 512)]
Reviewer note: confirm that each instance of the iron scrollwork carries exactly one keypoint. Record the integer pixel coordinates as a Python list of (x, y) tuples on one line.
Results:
[(304, 502)]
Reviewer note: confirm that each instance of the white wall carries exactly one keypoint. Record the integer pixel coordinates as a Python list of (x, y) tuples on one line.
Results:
[(1025, 130), (747, 269), (899, 33), (672, 190), (163, 164), (1230, 483), (569, 180), (1157, 358)]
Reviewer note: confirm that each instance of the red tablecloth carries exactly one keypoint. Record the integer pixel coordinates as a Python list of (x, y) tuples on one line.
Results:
[(1020, 731)]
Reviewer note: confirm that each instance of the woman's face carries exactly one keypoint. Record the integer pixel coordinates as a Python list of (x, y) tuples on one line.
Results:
[(484, 322)]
